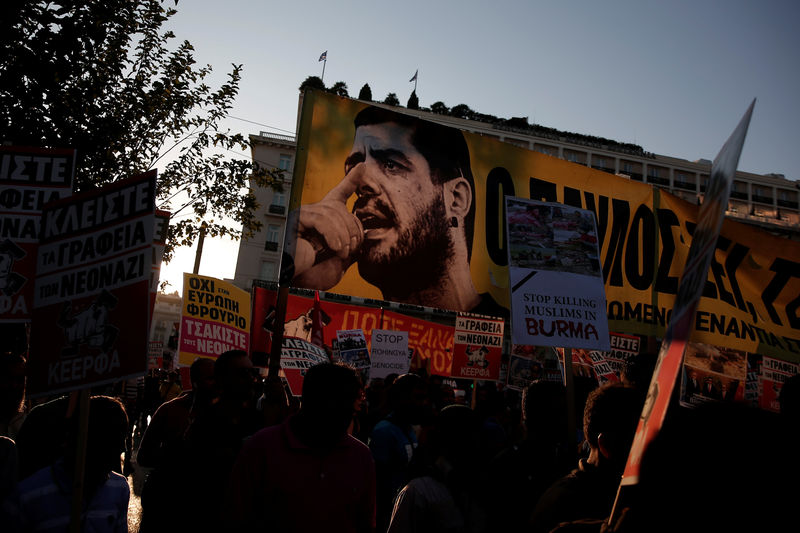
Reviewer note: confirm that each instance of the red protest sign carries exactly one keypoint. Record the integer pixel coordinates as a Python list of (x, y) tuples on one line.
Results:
[(90, 318)]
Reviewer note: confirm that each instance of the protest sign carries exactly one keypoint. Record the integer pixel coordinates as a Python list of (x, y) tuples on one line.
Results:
[(477, 348), (159, 242), (155, 355), (353, 349), (774, 373), (90, 319), (297, 356), (690, 290), (29, 178), (216, 318), (644, 235), (389, 353), (431, 341), (557, 290), (712, 373)]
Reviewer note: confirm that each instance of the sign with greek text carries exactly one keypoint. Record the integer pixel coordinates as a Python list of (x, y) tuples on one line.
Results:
[(29, 178), (91, 306), (557, 291), (297, 356), (477, 348), (159, 242), (216, 318), (389, 354), (774, 373), (432, 342), (644, 236)]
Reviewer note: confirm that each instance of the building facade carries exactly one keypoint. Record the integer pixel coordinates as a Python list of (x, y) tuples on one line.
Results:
[(259, 257), (768, 201)]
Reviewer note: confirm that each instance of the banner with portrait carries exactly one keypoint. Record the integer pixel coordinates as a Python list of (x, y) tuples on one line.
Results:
[(644, 235)]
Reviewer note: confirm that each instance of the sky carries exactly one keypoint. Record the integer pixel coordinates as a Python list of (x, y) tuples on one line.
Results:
[(673, 77)]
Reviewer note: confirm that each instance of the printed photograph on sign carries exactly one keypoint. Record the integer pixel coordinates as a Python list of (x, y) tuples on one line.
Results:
[(532, 363), (557, 290), (712, 373)]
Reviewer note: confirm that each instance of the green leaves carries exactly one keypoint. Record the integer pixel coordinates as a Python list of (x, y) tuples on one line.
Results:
[(104, 77)]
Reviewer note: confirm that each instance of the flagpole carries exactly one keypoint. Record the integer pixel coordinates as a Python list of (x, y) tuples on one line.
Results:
[(324, 62)]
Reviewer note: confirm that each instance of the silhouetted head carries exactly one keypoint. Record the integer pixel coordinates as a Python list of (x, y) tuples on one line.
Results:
[(610, 418), (408, 398), (544, 411), (330, 393)]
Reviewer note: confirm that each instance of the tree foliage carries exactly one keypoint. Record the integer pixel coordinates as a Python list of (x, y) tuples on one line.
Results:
[(365, 93), (391, 99), (339, 89), (439, 108), (312, 82), (461, 111), (413, 101), (105, 78)]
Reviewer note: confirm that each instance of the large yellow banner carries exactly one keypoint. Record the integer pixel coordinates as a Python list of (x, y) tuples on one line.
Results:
[(751, 298)]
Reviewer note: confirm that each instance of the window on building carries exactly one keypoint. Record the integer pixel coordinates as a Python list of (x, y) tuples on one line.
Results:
[(273, 232), (284, 161), (267, 271), (279, 198)]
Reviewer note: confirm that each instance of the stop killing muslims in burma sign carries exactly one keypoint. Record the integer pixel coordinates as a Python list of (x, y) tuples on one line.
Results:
[(557, 290)]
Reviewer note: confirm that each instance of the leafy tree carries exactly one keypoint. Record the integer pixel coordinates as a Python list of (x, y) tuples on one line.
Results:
[(517, 122), (339, 88), (365, 93), (313, 82), (105, 78), (462, 111), (413, 101), (439, 108), (391, 99)]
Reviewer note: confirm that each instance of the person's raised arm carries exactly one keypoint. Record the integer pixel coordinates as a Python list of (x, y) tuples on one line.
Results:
[(325, 237)]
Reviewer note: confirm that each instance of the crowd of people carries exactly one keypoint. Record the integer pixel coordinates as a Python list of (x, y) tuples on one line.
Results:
[(236, 452)]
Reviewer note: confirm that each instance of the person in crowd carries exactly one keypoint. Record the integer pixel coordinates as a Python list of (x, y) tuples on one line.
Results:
[(491, 409), (163, 449), (443, 493), (273, 403), (610, 418), (42, 437), (411, 227), (518, 476), (393, 441), (713, 468), (9, 468), (307, 474), (170, 388), (12, 393), (216, 435), (638, 370), (43, 501)]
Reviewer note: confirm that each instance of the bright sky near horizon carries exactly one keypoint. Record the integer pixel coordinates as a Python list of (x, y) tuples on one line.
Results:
[(673, 77)]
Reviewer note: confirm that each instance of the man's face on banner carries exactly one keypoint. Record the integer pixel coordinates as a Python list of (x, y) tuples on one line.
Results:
[(401, 209)]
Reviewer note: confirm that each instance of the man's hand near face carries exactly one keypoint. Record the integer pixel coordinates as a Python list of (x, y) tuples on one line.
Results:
[(325, 237)]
